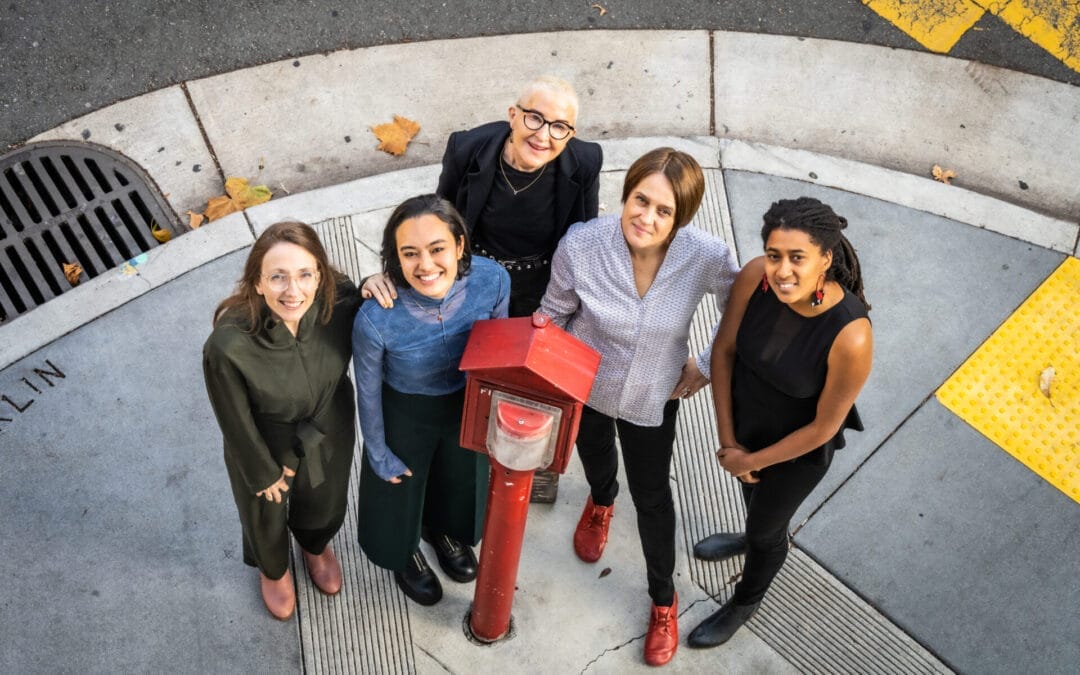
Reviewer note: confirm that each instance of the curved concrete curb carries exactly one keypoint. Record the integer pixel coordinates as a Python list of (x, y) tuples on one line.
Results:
[(300, 124), (370, 200)]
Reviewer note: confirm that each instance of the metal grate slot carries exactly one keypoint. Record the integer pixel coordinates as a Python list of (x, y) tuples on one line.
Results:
[(19, 198), (98, 176), (119, 235), (63, 202), (77, 177), (40, 190), (59, 182)]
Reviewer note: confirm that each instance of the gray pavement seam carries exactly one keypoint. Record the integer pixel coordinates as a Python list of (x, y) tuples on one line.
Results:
[(202, 131)]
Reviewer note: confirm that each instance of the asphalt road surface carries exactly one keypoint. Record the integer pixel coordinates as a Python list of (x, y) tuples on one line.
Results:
[(61, 59)]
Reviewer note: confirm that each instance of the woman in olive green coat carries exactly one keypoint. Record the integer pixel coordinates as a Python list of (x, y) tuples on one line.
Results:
[(275, 367)]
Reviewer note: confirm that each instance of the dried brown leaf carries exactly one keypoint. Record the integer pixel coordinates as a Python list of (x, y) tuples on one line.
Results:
[(72, 272), (195, 220), (1046, 380), (394, 136), (943, 175)]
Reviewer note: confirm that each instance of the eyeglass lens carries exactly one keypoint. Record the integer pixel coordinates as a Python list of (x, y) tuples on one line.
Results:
[(279, 282), (558, 130)]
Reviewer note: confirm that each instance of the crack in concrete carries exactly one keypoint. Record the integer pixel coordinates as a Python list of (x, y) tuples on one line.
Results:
[(436, 660), (685, 610)]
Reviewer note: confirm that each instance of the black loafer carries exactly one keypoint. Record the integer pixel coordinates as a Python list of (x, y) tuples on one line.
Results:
[(455, 558), (419, 581), (720, 546), (718, 628)]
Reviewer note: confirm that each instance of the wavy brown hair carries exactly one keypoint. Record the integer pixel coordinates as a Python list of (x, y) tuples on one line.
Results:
[(248, 305)]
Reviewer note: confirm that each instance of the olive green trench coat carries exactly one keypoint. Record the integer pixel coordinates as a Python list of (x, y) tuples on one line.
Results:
[(281, 401)]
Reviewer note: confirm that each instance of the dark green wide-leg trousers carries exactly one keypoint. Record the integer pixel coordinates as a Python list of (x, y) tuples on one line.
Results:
[(448, 488), (313, 515)]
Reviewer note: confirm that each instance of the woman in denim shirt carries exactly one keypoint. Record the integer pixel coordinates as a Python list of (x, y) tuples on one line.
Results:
[(410, 395)]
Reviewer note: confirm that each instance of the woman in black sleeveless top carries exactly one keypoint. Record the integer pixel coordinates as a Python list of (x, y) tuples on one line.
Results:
[(793, 351)]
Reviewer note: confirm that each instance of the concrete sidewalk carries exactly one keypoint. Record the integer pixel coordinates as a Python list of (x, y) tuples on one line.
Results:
[(927, 547)]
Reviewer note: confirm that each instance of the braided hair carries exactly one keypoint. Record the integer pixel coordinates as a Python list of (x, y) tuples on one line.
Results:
[(824, 228)]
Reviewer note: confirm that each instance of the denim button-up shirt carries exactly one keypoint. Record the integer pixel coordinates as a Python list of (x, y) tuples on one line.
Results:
[(643, 342), (415, 352)]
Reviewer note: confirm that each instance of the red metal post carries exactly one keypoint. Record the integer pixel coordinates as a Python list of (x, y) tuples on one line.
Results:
[(500, 554), (504, 524)]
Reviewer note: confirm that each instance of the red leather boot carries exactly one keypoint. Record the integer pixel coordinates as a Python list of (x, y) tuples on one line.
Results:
[(663, 637), (591, 534)]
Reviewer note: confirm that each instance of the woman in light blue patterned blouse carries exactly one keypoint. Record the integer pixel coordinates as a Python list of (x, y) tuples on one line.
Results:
[(410, 395), (628, 286)]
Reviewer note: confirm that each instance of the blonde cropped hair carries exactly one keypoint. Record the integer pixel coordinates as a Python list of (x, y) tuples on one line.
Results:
[(553, 84)]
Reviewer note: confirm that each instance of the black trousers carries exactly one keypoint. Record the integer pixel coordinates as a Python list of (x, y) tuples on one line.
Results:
[(646, 454), (770, 505)]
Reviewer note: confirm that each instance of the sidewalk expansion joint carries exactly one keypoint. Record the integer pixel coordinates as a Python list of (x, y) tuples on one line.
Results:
[(202, 131), (798, 526)]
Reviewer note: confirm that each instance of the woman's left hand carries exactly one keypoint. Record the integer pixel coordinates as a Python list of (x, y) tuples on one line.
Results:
[(690, 381), (737, 461)]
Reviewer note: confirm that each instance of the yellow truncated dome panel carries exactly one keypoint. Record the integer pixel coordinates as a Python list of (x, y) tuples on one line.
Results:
[(1021, 388)]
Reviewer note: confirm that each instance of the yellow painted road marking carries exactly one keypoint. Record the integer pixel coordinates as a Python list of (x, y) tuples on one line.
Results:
[(935, 24), (1054, 25), (997, 391), (938, 25)]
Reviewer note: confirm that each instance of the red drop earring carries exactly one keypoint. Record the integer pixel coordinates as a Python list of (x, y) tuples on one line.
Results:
[(819, 293)]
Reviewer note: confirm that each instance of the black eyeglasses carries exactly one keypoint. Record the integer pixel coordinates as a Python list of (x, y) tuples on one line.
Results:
[(535, 121)]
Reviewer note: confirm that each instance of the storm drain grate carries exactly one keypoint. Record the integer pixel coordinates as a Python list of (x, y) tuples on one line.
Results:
[(64, 202)]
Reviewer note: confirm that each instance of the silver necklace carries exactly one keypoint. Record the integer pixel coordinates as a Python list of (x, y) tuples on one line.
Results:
[(502, 168), (437, 313)]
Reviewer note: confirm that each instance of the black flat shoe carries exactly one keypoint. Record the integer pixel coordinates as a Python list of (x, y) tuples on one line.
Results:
[(718, 628), (720, 546), (455, 558), (419, 581)]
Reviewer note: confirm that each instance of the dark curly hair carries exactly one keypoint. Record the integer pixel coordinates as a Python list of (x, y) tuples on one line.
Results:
[(414, 207), (825, 230)]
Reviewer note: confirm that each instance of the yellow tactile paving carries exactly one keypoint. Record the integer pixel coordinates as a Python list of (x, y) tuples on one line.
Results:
[(935, 24), (1054, 25), (997, 389)]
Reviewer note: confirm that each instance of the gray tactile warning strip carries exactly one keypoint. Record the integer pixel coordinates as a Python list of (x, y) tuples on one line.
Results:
[(808, 617), (365, 628), (821, 626), (338, 239)]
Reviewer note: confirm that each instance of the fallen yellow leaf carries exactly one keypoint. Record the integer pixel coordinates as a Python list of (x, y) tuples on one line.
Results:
[(943, 175), (1046, 380), (394, 136), (160, 233), (195, 220), (72, 271), (598, 6), (238, 196)]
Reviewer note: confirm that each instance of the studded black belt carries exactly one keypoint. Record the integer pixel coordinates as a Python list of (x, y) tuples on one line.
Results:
[(533, 262)]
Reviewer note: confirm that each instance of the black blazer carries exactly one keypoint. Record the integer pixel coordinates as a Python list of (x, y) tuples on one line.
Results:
[(471, 161)]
